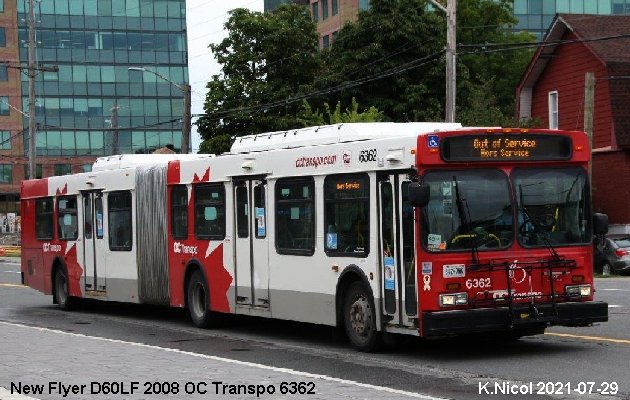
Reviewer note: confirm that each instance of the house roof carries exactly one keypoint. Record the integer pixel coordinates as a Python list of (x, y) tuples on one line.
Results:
[(608, 38), (594, 30)]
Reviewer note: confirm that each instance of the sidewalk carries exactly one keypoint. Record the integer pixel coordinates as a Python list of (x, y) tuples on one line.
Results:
[(55, 363)]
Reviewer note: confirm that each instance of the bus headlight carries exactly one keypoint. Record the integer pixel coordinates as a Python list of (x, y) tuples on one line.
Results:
[(453, 299), (578, 290)]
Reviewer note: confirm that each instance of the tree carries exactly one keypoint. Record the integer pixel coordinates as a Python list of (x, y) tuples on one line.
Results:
[(395, 50), (309, 117), (266, 58)]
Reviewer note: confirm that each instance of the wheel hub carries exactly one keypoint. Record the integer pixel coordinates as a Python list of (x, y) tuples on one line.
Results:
[(360, 315)]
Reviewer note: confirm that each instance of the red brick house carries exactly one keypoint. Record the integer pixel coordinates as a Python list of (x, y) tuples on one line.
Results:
[(553, 86)]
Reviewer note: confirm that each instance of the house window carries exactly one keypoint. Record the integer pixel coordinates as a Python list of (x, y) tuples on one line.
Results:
[(63, 169), (5, 140), (3, 37), (86, 167), (316, 12), (326, 41), (1, 5), (335, 7), (120, 223), (553, 110), (324, 9), (295, 216), (38, 171), (364, 5), (4, 73), (4, 105), (6, 173)]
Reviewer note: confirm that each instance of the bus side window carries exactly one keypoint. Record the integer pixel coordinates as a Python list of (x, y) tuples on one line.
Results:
[(295, 216), (179, 212), (119, 220), (67, 219), (210, 211), (44, 219), (346, 215)]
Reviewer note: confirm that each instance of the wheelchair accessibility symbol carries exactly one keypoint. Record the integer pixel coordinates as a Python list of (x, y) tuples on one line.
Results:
[(433, 141)]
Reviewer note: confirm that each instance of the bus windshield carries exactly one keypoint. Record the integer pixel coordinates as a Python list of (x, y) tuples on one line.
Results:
[(468, 208), (553, 206)]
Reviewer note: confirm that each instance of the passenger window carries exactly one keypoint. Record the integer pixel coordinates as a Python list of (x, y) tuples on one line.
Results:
[(179, 212), (44, 218), (210, 211), (295, 216), (67, 220), (347, 215), (120, 222)]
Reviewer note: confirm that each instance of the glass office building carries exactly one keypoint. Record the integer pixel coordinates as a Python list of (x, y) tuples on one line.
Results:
[(93, 43), (535, 16)]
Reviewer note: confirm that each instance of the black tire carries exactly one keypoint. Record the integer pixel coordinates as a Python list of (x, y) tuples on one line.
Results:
[(198, 298), (359, 316), (62, 298)]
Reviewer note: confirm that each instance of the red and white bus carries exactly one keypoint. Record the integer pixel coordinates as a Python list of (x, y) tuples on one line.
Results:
[(426, 229)]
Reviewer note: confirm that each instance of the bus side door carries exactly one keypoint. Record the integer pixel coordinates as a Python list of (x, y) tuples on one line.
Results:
[(94, 246), (397, 245), (251, 242)]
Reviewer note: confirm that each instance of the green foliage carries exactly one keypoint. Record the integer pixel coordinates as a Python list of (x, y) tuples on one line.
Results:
[(399, 40), (266, 58), (391, 60), (337, 116)]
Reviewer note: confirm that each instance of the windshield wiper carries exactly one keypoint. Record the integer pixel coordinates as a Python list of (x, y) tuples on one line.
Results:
[(538, 229), (464, 220)]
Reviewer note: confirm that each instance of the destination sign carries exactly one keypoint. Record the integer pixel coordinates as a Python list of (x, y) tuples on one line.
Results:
[(512, 147)]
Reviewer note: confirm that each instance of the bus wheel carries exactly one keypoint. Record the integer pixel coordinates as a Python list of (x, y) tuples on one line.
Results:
[(65, 301), (198, 300), (360, 318)]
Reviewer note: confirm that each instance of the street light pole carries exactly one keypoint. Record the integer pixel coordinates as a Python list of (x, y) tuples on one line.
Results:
[(186, 113)]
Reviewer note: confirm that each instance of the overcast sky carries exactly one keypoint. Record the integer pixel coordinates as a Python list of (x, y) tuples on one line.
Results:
[(205, 19)]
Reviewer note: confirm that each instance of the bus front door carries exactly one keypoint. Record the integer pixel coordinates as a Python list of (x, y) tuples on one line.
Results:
[(397, 257), (94, 246), (251, 242)]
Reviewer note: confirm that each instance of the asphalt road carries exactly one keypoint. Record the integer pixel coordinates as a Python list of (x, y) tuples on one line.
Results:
[(454, 368)]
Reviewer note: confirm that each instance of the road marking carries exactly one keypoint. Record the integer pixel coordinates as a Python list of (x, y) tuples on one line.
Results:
[(615, 290), (12, 272), (237, 362), (594, 338), (6, 395), (614, 306), (12, 285)]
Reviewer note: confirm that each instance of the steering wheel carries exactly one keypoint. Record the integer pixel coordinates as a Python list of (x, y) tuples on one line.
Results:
[(488, 238), (544, 221)]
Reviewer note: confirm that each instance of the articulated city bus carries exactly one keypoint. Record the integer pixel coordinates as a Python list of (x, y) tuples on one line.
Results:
[(426, 229)]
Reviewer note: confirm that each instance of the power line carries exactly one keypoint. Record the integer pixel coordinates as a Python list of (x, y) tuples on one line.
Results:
[(346, 85)]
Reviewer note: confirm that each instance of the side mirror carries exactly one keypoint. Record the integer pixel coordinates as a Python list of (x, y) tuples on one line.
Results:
[(419, 194), (600, 224)]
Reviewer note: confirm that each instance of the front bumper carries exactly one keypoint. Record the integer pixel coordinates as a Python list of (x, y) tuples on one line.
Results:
[(523, 317)]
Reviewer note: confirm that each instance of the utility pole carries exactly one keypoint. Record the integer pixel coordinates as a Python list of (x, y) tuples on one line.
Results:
[(186, 119), (589, 107), (31, 90), (32, 69), (114, 111), (451, 57)]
